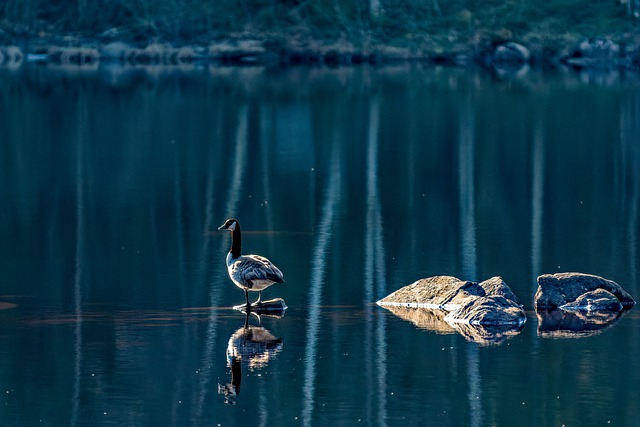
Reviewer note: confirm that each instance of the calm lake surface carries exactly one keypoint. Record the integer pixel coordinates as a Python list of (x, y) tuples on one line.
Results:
[(115, 304)]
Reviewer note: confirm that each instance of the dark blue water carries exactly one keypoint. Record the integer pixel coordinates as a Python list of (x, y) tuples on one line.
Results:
[(114, 296)]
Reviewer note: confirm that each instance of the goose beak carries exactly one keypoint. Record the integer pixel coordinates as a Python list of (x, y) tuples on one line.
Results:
[(222, 227)]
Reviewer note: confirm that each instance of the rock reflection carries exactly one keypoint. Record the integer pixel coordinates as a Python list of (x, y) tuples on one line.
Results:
[(487, 334), (435, 321), (249, 346), (575, 324), (7, 305)]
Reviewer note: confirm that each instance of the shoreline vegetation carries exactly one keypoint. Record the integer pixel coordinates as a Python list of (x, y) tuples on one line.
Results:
[(495, 34)]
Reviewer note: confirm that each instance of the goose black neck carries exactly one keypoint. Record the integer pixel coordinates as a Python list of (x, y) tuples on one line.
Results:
[(236, 242)]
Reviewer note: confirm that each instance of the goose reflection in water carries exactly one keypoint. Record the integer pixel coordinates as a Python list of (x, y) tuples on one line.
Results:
[(251, 346)]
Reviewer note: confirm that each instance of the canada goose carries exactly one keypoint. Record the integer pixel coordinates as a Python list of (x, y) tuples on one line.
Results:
[(248, 272)]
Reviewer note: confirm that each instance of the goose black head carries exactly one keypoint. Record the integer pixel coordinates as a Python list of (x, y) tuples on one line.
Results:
[(229, 224)]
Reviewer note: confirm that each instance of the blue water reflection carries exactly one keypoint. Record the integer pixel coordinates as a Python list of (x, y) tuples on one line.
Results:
[(115, 304)]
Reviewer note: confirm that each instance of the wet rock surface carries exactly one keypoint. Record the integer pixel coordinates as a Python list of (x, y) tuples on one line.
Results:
[(486, 303), (273, 307), (579, 291)]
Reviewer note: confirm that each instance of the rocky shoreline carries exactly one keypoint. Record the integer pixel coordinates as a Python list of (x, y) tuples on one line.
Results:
[(506, 55)]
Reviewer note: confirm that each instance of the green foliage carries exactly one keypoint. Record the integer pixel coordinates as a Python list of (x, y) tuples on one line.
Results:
[(190, 20)]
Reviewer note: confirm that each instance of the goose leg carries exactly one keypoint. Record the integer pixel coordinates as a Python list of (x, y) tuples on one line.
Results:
[(246, 306), (246, 296)]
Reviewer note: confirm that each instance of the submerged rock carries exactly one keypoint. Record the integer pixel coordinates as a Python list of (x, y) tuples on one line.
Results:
[(582, 292), (486, 303), (273, 307)]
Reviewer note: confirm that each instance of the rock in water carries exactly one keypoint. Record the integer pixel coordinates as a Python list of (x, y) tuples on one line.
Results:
[(511, 53), (489, 310), (578, 291), (487, 303), (574, 305), (273, 307)]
